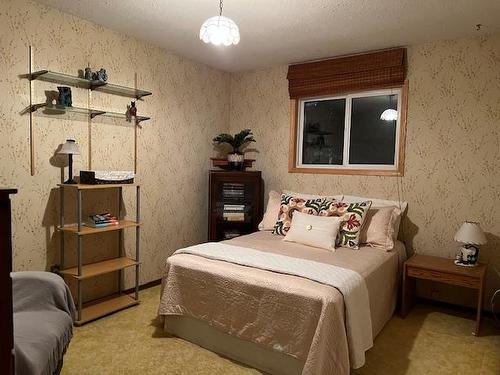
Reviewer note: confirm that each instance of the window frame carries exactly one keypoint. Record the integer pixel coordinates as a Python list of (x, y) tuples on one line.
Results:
[(296, 136)]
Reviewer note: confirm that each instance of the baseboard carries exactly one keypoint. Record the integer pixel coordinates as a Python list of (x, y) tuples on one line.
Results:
[(147, 285)]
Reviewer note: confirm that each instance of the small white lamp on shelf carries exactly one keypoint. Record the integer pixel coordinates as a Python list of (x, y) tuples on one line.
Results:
[(70, 148), (471, 235)]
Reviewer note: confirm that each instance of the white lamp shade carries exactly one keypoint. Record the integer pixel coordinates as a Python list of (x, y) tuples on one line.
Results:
[(70, 147), (389, 115), (470, 233), (220, 30)]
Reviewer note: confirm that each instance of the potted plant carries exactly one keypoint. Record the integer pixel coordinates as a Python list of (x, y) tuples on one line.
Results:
[(238, 142)]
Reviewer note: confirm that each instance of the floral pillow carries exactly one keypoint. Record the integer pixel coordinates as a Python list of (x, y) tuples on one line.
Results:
[(353, 216), (291, 204)]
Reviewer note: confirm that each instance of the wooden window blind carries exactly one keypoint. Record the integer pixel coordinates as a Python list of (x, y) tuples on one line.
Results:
[(375, 70)]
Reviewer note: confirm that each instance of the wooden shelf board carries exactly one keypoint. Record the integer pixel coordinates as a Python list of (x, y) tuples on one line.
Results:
[(73, 228), (99, 268), (94, 187), (99, 308)]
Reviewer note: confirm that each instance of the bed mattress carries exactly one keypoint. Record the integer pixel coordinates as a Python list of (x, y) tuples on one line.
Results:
[(285, 314)]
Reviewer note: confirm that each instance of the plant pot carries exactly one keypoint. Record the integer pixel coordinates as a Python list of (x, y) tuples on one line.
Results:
[(236, 160)]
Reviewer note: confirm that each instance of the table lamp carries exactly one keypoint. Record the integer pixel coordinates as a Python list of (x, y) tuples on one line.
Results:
[(471, 235), (70, 148)]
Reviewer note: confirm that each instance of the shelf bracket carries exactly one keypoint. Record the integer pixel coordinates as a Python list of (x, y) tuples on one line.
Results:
[(96, 113), (139, 120), (140, 96), (35, 75), (36, 107)]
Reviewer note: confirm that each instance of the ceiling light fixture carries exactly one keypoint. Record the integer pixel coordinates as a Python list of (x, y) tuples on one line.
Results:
[(389, 115), (220, 30)]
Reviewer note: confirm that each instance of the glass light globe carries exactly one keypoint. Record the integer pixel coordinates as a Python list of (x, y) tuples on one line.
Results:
[(389, 115), (220, 30)]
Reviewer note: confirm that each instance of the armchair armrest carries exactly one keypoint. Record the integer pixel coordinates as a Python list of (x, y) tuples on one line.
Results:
[(36, 291)]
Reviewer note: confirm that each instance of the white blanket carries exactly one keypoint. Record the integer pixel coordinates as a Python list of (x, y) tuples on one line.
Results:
[(348, 282)]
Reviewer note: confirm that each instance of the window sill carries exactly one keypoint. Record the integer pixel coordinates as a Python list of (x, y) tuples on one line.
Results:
[(344, 171)]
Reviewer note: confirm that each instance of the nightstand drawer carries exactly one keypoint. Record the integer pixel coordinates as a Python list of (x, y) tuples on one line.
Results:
[(444, 277)]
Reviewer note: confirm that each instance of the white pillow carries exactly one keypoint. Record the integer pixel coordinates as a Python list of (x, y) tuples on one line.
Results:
[(379, 203), (272, 211), (316, 231), (378, 227), (312, 196)]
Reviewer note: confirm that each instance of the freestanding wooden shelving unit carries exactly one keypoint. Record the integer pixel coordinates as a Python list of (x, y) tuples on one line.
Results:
[(96, 309)]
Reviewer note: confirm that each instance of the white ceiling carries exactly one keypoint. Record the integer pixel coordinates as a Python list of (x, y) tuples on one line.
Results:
[(275, 32)]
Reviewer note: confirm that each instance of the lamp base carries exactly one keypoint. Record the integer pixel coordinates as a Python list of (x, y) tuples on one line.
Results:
[(462, 264), (467, 256), (70, 182)]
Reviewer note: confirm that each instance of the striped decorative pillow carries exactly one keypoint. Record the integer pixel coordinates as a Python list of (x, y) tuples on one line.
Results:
[(291, 204)]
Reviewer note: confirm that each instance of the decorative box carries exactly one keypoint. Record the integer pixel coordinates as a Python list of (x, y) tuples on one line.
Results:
[(106, 177)]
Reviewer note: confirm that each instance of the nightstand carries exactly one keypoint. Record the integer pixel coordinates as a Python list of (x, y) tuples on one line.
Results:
[(444, 271)]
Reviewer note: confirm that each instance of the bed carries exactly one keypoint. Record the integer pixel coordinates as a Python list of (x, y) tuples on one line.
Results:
[(276, 322)]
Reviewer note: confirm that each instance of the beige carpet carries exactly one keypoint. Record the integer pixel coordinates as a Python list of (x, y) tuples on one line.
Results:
[(428, 341)]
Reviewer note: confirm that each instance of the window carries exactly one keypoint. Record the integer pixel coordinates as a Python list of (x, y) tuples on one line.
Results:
[(360, 133)]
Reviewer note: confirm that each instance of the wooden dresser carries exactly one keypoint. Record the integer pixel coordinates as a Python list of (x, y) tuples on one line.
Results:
[(442, 270), (6, 317)]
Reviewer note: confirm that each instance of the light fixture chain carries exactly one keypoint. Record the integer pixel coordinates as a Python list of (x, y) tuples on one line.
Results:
[(221, 4)]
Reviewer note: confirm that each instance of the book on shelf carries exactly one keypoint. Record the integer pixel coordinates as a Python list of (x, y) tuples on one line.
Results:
[(234, 216), (234, 206), (237, 208), (100, 225), (233, 190), (102, 220)]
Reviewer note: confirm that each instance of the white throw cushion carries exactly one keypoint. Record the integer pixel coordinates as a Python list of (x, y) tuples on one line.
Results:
[(377, 203), (316, 231), (272, 211), (312, 196)]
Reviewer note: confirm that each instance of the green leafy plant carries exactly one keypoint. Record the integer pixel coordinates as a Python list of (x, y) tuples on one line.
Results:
[(237, 142)]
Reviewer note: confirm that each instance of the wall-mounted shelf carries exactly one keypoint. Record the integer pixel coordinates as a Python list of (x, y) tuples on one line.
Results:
[(66, 79), (87, 113), (73, 113)]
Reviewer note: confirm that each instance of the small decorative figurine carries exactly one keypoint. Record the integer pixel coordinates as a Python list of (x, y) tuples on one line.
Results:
[(128, 116), (64, 98), (133, 109), (88, 74), (100, 75)]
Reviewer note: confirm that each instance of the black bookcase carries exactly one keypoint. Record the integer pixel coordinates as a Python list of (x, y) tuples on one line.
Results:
[(235, 204)]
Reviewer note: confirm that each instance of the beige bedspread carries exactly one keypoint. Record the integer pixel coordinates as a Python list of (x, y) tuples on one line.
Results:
[(299, 317)]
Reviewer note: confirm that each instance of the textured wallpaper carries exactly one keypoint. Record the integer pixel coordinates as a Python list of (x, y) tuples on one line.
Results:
[(188, 106), (452, 170)]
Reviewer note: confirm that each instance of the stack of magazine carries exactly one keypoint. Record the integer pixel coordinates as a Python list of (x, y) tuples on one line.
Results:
[(102, 220), (234, 212), (233, 191)]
